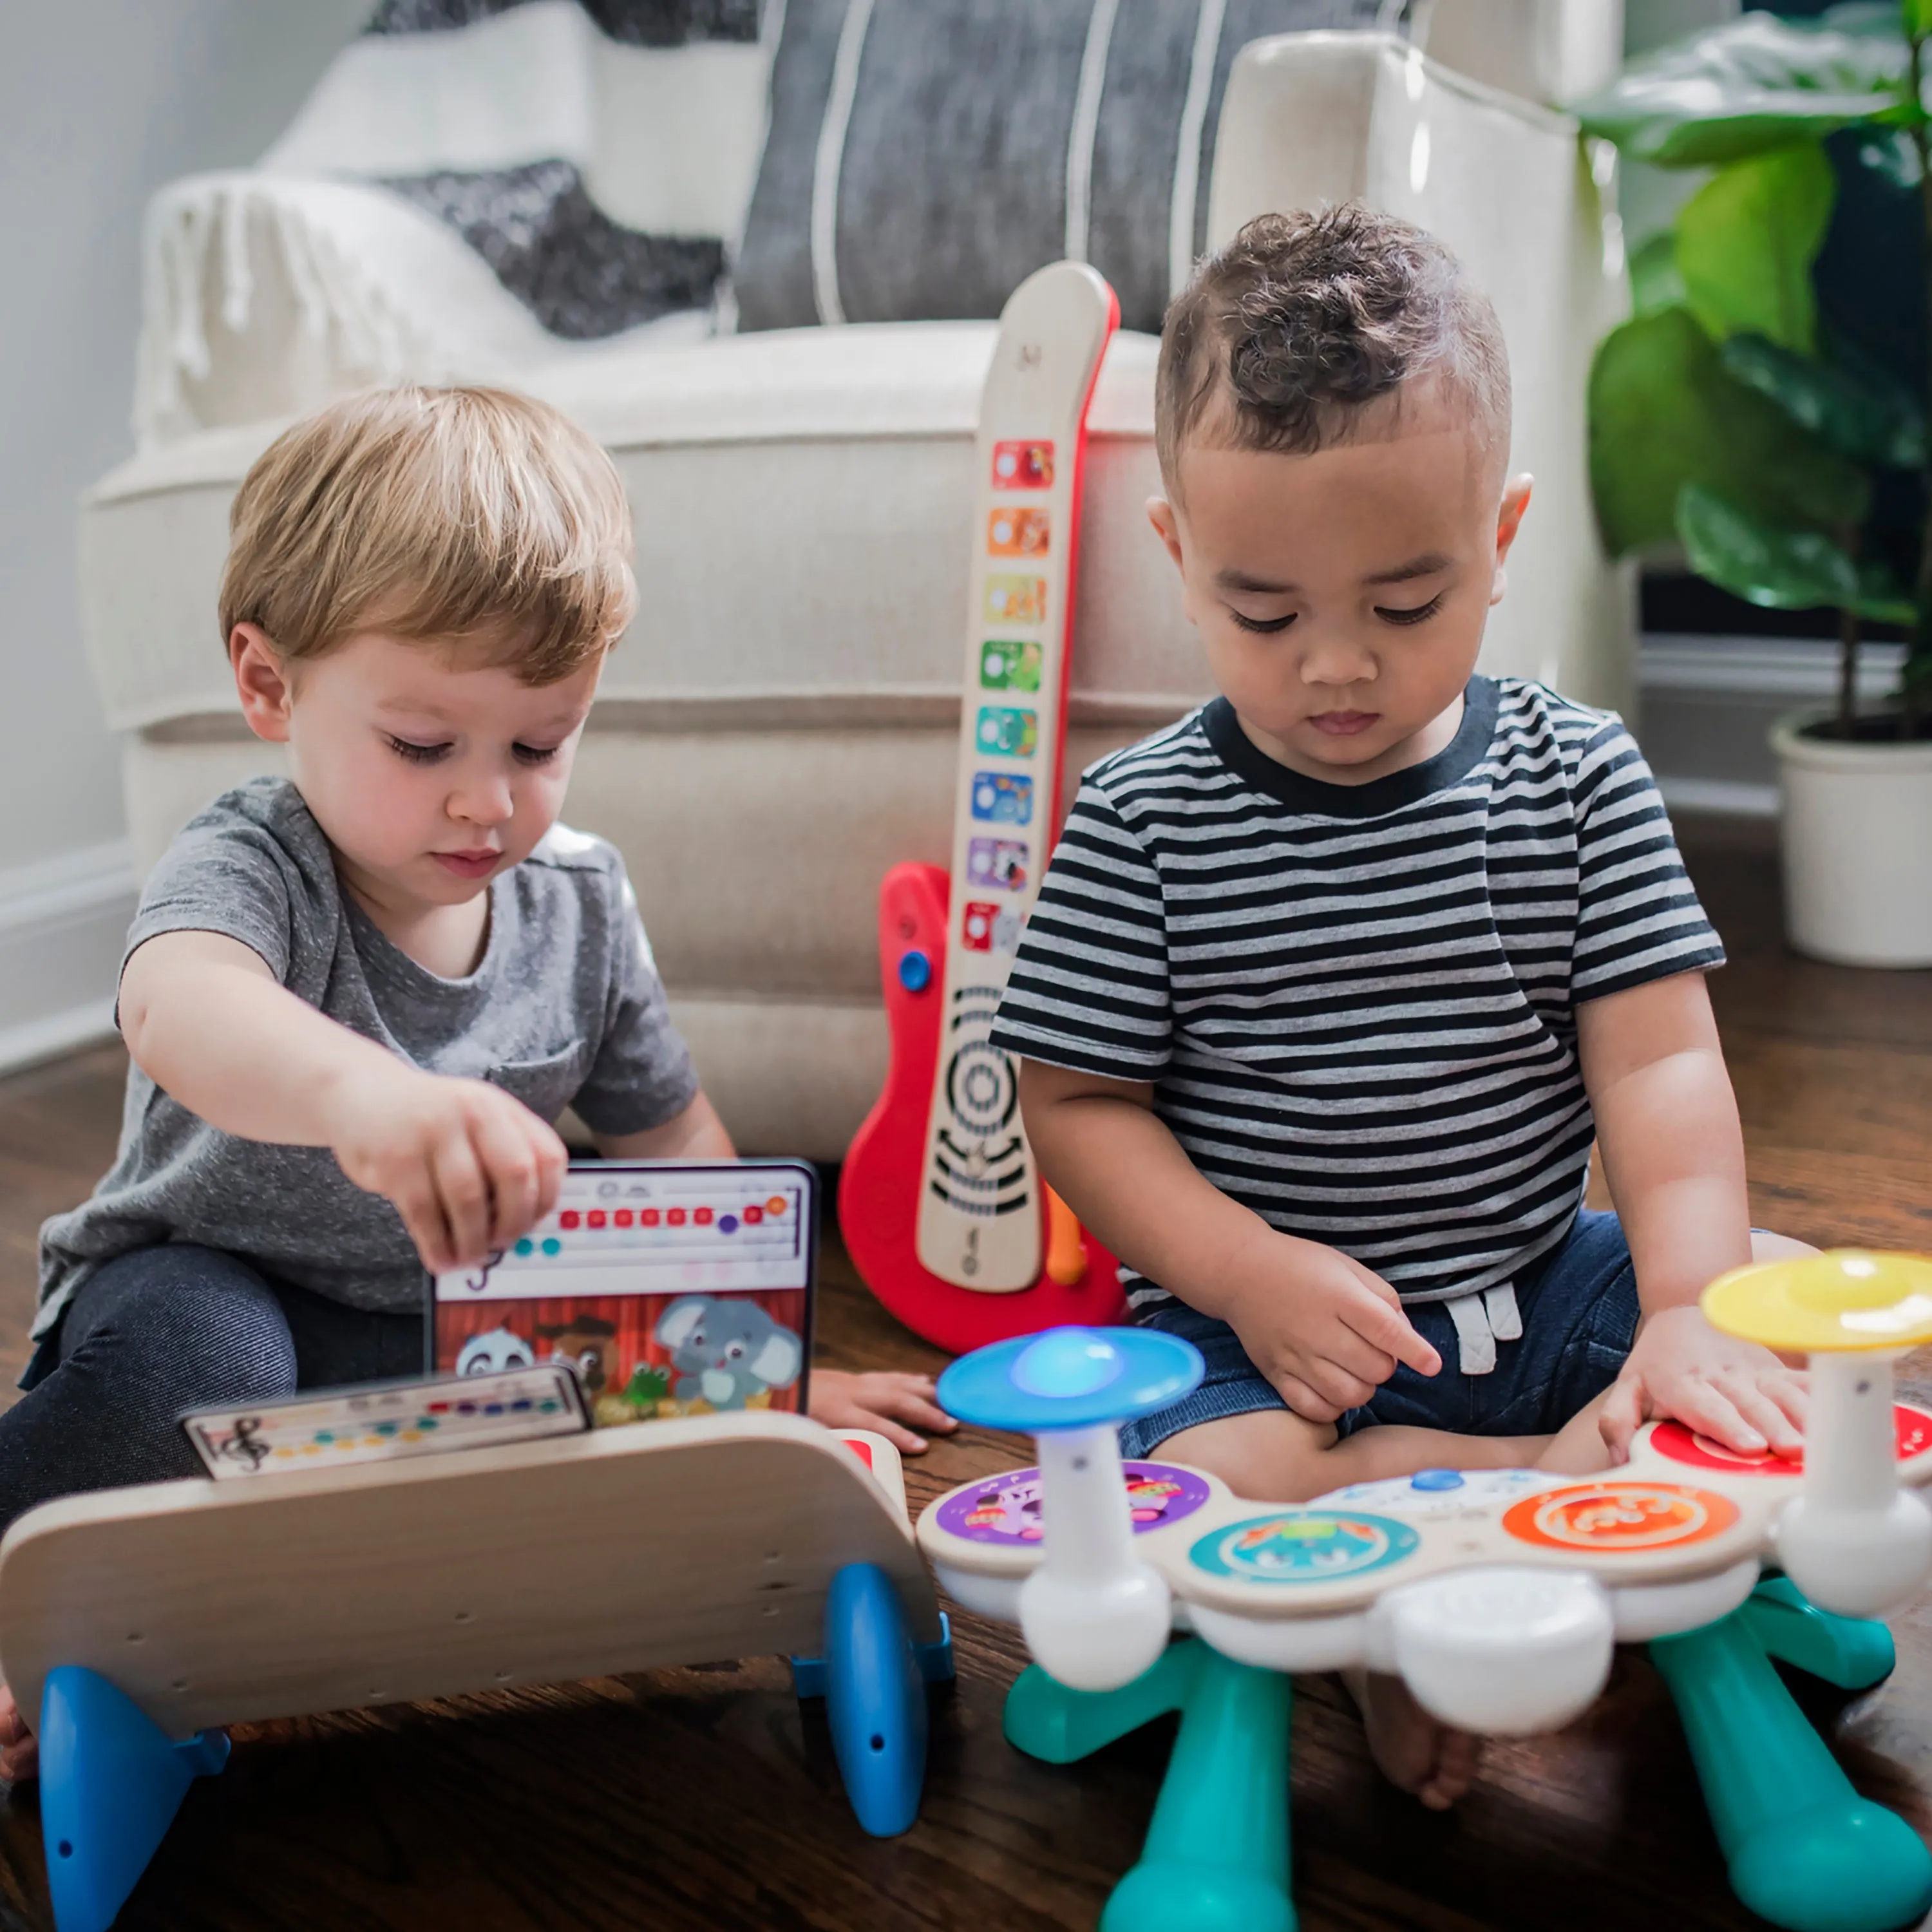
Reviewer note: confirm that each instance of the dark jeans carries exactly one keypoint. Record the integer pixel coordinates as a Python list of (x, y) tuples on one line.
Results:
[(1580, 1315), (165, 1329)]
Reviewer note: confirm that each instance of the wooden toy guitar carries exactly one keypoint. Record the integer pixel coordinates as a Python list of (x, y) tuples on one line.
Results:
[(942, 1208)]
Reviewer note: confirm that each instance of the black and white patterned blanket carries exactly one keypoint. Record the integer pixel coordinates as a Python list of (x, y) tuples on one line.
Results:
[(579, 273)]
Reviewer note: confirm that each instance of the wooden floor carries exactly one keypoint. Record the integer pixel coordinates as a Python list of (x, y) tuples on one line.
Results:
[(703, 1799)]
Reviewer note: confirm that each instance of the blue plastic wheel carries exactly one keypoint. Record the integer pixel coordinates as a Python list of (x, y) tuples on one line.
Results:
[(874, 1700)]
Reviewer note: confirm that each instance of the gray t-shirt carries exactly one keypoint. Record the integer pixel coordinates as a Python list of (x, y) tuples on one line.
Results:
[(565, 1009)]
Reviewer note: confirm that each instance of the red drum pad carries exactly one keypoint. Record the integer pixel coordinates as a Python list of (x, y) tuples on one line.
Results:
[(1912, 1430)]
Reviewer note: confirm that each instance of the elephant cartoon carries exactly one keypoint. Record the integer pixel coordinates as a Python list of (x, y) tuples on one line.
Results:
[(725, 1350)]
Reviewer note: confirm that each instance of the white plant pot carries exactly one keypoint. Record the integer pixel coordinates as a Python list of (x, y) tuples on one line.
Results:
[(1858, 847)]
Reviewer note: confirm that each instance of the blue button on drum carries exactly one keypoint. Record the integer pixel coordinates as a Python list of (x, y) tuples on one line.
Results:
[(1070, 1378), (1429, 1480), (915, 971)]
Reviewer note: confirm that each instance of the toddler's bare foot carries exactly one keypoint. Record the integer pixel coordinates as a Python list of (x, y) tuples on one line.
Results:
[(1412, 1750), (20, 1749)]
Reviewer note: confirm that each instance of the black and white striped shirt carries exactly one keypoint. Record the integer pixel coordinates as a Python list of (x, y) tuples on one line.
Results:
[(1356, 1003)]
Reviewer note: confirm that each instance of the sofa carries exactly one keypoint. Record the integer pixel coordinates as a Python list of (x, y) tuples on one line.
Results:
[(778, 726)]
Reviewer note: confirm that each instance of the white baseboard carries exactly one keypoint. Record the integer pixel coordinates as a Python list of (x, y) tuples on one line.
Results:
[(1727, 797), (1708, 704), (63, 923)]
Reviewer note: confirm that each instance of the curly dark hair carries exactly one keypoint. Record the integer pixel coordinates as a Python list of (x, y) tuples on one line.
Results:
[(1304, 318)]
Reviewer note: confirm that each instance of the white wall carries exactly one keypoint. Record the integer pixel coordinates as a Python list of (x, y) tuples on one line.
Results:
[(100, 102)]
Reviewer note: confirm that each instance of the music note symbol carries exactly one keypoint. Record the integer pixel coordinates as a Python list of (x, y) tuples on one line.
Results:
[(476, 1283), (245, 1445)]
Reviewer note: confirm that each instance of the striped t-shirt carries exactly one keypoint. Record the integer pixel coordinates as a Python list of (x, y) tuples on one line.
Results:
[(1356, 1003)]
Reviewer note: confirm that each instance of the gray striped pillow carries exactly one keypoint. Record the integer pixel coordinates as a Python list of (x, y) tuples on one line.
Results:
[(925, 156)]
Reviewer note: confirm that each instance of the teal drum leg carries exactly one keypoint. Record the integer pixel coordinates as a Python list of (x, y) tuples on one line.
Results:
[(1216, 1858), (1854, 1653), (111, 1782), (1805, 1851)]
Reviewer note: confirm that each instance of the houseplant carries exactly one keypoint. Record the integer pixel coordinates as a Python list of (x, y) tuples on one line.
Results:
[(1724, 418)]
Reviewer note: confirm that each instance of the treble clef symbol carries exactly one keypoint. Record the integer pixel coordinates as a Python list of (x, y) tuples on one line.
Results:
[(245, 1444)]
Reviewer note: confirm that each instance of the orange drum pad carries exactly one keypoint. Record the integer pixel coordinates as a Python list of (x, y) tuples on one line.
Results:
[(1607, 1517)]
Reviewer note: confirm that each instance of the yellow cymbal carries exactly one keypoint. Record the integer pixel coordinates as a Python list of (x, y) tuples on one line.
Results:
[(1843, 1299)]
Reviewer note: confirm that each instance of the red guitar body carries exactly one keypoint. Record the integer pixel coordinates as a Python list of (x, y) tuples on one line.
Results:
[(879, 1185)]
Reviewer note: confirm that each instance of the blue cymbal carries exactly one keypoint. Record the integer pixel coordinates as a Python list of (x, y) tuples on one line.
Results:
[(1070, 1378)]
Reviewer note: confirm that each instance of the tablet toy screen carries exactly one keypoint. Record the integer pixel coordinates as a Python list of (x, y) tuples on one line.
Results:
[(669, 1289)]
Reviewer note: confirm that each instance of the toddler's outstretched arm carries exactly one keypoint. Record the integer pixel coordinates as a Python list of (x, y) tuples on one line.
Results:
[(467, 1167), (1673, 1153)]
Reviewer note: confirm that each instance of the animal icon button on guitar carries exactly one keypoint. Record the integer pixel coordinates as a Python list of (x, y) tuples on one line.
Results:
[(942, 1208), (1496, 1595)]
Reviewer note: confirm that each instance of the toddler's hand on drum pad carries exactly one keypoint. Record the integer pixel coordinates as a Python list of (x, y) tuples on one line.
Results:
[(1735, 1392)]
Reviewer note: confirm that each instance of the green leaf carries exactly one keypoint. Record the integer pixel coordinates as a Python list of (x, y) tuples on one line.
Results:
[(1746, 240), (1731, 546), (1654, 282), (1917, 16), (1663, 413), (1754, 84), (1860, 413)]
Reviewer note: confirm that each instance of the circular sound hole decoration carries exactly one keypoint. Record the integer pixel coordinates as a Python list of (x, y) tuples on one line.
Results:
[(1912, 1435), (1005, 1510), (979, 1085), (1611, 1516), (1303, 1546)]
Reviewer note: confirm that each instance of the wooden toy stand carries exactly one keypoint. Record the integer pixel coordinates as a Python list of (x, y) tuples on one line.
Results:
[(135, 1622)]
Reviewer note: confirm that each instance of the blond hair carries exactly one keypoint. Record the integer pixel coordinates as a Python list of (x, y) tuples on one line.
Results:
[(465, 516), (1302, 320)]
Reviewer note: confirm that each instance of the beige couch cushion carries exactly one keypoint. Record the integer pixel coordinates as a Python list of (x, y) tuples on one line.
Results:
[(801, 501)]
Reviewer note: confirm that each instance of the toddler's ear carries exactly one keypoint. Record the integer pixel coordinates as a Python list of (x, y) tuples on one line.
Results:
[(261, 682), (1509, 521), (1166, 526)]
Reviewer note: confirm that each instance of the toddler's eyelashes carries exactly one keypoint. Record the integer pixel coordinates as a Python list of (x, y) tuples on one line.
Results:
[(1416, 614), (417, 755)]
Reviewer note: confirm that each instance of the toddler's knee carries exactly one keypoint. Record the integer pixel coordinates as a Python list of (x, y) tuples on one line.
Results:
[(1766, 1246), (189, 1328)]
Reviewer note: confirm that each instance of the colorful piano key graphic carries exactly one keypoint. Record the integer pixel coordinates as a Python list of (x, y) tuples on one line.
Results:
[(1018, 532), (381, 1424), (1016, 600)]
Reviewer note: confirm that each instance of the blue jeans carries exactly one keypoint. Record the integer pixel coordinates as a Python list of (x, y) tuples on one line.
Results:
[(1580, 1315), (163, 1329)]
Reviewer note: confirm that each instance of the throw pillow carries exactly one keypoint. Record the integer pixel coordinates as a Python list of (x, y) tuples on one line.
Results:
[(925, 156)]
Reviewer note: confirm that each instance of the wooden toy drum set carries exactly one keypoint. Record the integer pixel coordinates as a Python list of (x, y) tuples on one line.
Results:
[(1497, 1596)]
